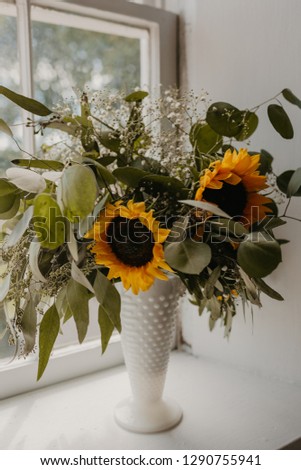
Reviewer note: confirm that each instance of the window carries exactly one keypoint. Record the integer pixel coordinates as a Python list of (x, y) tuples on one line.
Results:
[(49, 49)]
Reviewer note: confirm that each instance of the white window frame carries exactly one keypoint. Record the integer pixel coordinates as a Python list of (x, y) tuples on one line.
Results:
[(158, 31)]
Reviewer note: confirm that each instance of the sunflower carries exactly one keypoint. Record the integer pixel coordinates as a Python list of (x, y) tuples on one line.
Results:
[(233, 184), (129, 241)]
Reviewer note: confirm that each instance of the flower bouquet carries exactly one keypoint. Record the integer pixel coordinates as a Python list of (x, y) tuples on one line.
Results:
[(137, 189)]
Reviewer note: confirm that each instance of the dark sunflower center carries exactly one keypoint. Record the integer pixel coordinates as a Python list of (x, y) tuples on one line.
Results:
[(230, 198), (130, 241)]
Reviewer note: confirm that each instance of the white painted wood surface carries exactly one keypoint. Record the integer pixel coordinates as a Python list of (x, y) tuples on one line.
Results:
[(224, 408)]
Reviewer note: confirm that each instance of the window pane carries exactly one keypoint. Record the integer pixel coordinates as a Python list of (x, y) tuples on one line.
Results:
[(67, 58), (10, 78)]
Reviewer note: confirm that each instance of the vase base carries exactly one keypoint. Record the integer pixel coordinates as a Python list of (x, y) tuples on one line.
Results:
[(147, 417)]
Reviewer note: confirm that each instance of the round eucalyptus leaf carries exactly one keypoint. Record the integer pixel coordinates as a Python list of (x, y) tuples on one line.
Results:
[(259, 254), (280, 121), (204, 139), (189, 256), (77, 189), (249, 123), (225, 119)]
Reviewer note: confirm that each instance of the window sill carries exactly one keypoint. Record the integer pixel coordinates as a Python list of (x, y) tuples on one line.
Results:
[(224, 408)]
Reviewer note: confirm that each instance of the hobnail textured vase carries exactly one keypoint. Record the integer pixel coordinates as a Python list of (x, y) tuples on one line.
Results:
[(148, 329)]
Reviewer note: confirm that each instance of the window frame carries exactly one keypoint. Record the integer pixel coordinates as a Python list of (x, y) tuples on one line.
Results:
[(162, 28)]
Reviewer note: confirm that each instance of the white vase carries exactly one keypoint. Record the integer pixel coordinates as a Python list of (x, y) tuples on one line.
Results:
[(148, 329)]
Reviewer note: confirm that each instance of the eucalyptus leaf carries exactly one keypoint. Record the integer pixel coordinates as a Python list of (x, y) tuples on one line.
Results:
[(289, 96), (249, 125), (48, 222), (72, 242), (188, 256), (204, 139), (5, 128), (7, 188), (136, 96), (106, 327), (283, 181), (105, 174), (43, 164), (79, 277), (77, 297), (34, 252), (225, 119), (25, 179), (77, 191), (20, 228), (211, 281), (266, 160), (264, 287), (109, 299), (206, 206), (294, 185), (160, 184), (259, 254), (280, 121), (130, 176), (4, 287), (49, 329), (29, 104), (110, 141), (29, 323)]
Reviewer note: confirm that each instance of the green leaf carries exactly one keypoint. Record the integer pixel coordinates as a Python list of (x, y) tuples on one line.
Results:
[(4, 287), (28, 104), (7, 203), (210, 283), (289, 96), (7, 188), (44, 164), (294, 185), (77, 190), (20, 228), (29, 323), (79, 277), (283, 182), (136, 96), (259, 254), (249, 123), (49, 329), (110, 141), (108, 298), (227, 227), (25, 179), (263, 286), (5, 128), (77, 298), (266, 160), (204, 139), (225, 119), (280, 121), (106, 327), (189, 256), (206, 206), (160, 184), (105, 175), (48, 222), (130, 176), (12, 211)]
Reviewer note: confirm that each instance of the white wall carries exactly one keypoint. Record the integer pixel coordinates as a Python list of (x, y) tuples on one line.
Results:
[(244, 52)]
